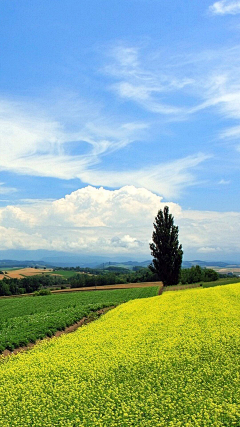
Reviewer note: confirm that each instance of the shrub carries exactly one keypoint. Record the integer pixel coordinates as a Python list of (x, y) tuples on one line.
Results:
[(42, 292), (196, 274)]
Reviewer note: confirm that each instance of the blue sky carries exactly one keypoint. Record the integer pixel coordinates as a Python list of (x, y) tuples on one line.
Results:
[(115, 94)]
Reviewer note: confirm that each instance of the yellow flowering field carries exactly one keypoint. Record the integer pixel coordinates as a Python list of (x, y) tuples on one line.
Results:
[(170, 361)]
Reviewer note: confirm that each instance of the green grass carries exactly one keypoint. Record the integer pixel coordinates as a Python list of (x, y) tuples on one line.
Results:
[(64, 273), (181, 287), (24, 320), (219, 282)]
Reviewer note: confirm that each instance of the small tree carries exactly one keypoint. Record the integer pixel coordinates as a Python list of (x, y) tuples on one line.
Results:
[(165, 249)]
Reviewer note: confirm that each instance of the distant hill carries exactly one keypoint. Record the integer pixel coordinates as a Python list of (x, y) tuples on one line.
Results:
[(125, 265), (104, 262), (185, 264), (188, 264), (10, 263)]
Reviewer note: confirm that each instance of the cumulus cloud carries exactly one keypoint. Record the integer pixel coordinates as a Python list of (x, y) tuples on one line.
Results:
[(89, 219), (99, 221), (225, 7), (201, 230)]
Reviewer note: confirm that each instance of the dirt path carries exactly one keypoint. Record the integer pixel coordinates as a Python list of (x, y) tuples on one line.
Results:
[(110, 287), (94, 288), (160, 291), (84, 321), (90, 318)]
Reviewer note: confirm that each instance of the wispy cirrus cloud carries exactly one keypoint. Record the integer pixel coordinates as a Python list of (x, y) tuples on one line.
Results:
[(73, 139), (145, 86), (168, 179), (193, 82), (225, 7), (224, 181), (38, 145), (6, 190), (231, 133)]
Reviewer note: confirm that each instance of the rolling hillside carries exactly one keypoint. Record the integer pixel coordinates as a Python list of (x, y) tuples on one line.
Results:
[(170, 361)]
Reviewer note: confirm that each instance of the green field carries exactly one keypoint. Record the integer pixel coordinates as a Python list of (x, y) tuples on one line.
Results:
[(64, 273), (219, 282), (24, 320), (223, 281), (166, 361)]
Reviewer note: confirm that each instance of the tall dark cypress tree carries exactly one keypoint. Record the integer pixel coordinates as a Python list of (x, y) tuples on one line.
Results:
[(165, 249)]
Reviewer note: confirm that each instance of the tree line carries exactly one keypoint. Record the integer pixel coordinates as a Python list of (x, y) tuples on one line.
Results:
[(9, 286), (104, 278)]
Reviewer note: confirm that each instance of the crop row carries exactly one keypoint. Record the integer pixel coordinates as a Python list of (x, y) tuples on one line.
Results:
[(27, 319), (168, 361)]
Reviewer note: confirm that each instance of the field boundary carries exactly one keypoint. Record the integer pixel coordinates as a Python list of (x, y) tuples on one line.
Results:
[(94, 288), (110, 287), (94, 315), (181, 287)]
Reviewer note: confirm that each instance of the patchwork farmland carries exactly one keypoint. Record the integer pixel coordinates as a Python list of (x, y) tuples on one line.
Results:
[(19, 273), (26, 320), (168, 361)]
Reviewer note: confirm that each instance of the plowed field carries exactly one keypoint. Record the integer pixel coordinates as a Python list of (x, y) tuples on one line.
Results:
[(22, 272)]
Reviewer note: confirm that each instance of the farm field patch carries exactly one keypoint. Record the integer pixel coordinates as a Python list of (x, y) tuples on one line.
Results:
[(227, 270), (167, 361), (23, 272), (219, 282), (24, 320), (112, 287), (64, 273)]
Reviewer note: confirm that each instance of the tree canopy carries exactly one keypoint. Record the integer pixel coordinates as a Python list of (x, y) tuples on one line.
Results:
[(166, 251)]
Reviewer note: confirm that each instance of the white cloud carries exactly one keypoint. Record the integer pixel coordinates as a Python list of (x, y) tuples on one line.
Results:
[(225, 7), (15, 238), (38, 145), (90, 219), (167, 179), (96, 220), (146, 87), (209, 250), (73, 141), (224, 181), (6, 190), (33, 143), (179, 86), (17, 216), (231, 133), (206, 229)]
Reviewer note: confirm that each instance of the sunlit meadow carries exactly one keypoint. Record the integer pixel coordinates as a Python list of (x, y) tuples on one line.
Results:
[(170, 361)]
